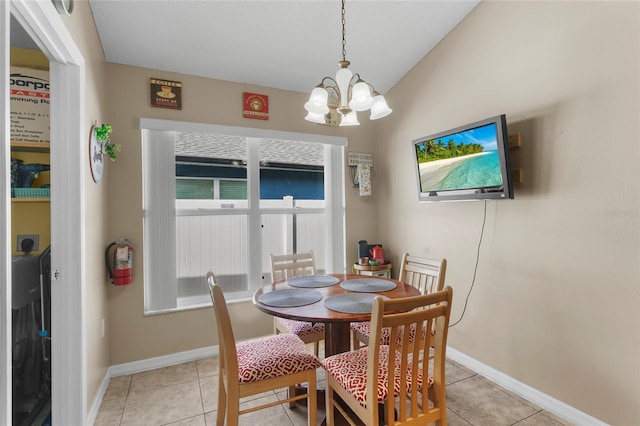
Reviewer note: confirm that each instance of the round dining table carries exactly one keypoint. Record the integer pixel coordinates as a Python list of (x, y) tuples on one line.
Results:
[(337, 337)]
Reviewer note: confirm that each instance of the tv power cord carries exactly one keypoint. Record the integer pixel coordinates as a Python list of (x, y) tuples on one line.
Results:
[(475, 269)]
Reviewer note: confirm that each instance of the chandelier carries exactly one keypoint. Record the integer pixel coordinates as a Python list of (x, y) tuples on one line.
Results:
[(346, 94)]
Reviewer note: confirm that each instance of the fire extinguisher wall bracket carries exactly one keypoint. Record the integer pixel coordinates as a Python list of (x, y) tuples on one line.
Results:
[(119, 265), (107, 261)]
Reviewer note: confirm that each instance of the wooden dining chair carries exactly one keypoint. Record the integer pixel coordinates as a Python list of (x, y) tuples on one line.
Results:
[(427, 275), (259, 365), (410, 387), (287, 266)]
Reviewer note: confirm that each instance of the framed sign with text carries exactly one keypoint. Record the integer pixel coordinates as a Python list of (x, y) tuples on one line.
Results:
[(165, 93), (255, 106), (29, 104)]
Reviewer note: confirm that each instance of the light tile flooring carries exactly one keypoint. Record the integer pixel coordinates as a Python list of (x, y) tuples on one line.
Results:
[(186, 394)]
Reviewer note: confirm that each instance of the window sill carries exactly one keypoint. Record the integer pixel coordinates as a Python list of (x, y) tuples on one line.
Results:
[(192, 303)]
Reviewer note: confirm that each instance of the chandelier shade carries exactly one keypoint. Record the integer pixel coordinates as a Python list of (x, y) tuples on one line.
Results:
[(318, 101), (351, 119), (346, 94), (379, 108), (361, 99), (315, 117)]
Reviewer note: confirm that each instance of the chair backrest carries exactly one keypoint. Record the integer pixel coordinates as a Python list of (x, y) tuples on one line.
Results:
[(427, 275), (403, 316), (226, 340), (284, 266)]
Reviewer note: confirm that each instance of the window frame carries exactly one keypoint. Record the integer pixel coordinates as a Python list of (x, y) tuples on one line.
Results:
[(159, 255)]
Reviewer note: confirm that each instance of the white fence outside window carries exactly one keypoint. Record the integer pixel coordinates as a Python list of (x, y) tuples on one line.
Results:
[(219, 242)]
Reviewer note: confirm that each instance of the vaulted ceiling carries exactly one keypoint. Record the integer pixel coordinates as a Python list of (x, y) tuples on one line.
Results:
[(286, 44)]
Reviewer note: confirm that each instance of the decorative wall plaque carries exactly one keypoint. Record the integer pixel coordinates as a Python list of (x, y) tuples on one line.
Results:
[(166, 93), (255, 106), (96, 156)]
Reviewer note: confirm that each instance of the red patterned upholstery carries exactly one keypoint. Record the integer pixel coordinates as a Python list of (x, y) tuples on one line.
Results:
[(395, 384), (364, 328), (301, 328), (350, 370), (273, 356)]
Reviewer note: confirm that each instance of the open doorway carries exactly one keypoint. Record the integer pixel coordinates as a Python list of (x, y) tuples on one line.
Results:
[(30, 231), (68, 387)]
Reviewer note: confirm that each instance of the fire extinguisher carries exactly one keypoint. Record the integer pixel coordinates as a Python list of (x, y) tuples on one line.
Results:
[(120, 269)]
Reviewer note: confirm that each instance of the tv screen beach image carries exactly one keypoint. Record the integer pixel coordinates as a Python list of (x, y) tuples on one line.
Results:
[(464, 160)]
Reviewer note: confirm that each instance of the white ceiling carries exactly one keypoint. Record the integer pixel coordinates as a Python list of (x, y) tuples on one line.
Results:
[(282, 44)]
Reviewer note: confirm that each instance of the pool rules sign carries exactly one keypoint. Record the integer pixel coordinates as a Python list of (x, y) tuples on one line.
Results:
[(29, 96)]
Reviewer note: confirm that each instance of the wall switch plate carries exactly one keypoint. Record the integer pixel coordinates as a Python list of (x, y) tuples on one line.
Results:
[(33, 237)]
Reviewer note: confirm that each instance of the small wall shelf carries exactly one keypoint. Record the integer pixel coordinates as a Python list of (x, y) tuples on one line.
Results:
[(30, 146), (29, 200), (516, 175), (514, 140)]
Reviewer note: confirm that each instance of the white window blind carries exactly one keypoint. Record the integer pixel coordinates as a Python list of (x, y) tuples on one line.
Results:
[(159, 189)]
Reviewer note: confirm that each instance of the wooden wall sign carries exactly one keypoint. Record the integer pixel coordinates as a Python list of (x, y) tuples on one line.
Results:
[(165, 93), (255, 106)]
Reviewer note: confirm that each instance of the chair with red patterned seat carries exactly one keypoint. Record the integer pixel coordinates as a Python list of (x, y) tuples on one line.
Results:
[(411, 386), (285, 266), (425, 274), (255, 366)]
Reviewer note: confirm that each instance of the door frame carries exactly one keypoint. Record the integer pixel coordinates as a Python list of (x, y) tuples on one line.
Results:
[(68, 131)]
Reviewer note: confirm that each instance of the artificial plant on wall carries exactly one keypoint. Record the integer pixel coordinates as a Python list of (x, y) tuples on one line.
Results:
[(100, 144)]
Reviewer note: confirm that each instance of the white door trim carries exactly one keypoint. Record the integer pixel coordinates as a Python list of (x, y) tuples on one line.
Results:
[(5, 223), (68, 134)]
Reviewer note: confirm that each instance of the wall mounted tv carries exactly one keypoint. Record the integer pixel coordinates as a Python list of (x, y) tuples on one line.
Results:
[(470, 162)]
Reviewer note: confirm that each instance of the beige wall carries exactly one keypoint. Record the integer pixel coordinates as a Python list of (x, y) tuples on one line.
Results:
[(556, 298), (82, 28), (133, 336), (566, 75)]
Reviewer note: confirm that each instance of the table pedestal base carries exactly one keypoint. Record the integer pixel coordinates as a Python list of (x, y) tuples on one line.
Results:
[(337, 338)]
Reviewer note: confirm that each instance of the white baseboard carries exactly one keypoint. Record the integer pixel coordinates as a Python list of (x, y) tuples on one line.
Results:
[(162, 361), (145, 365), (543, 400), (97, 401)]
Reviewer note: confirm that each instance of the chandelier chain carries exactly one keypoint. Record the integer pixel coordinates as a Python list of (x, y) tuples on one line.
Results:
[(345, 95), (344, 33)]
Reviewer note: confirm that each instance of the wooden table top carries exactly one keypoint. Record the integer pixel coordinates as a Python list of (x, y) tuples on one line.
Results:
[(317, 312)]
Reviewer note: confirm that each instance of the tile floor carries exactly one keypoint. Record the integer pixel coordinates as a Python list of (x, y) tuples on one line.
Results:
[(186, 394)]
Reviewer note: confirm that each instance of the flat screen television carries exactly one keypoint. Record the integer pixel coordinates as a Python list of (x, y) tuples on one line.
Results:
[(470, 162)]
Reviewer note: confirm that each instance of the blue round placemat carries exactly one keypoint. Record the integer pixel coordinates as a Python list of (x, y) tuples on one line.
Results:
[(353, 303), (290, 297), (313, 281), (368, 285)]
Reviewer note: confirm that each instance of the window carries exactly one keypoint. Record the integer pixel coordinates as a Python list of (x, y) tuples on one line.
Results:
[(194, 189), (222, 199), (210, 189)]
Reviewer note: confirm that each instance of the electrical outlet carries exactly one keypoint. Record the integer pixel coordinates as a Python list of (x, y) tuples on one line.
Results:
[(33, 237)]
